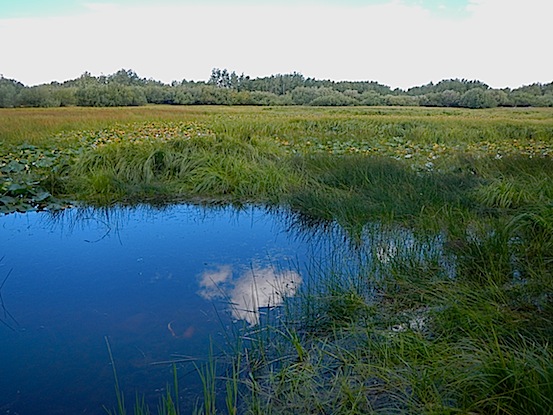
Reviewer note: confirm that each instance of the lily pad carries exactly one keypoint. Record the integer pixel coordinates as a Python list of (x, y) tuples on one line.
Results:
[(18, 189), (13, 167), (41, 196), (8, 200), (45, 162)]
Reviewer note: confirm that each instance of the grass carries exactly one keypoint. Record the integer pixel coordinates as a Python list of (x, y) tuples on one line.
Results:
[(436, 299), (168, 404), (407, 337)]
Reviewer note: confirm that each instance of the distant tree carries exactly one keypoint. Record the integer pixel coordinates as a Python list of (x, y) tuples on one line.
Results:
[(277, 84), (64, 95), (125, 87), (124, 96), (371, 98), (182, 96), (535, 95), (533, 89), (362, 86), (90, 95), (353, 94), (330, 97), (159, 94), (304, 95), (520, 98), (401, 101), (125, 77), (203, 94), (86, 79), (37, 96), (112, 95), (267, 98), (547, 88), (221, 78), (9, 89), (422, 90), (501, 97), (448, 98), (431, 99), (548, 100), (477, 98), (458, 85)]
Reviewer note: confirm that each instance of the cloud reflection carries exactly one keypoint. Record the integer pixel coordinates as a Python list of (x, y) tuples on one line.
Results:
[(253, 289)]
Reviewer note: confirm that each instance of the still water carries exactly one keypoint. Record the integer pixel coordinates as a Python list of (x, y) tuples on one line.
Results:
[(159, 284)]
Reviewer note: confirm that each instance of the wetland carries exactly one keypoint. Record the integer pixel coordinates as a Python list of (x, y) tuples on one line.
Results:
[(402, 257)]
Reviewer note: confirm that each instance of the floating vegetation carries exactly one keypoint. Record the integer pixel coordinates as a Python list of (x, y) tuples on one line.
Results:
[(29, 176), (138, 133)]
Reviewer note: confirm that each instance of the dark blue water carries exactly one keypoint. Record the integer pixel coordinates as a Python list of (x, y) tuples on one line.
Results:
[(156, 283)]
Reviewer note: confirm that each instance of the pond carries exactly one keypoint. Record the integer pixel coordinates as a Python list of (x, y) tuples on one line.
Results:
[(164, 285), (159, 284)]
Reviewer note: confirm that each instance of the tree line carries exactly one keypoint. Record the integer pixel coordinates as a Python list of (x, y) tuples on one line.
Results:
[(126, 88)]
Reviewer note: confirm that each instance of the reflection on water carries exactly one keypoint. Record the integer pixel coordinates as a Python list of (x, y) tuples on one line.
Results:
[(150, 280), (253, 289), (160, 283)]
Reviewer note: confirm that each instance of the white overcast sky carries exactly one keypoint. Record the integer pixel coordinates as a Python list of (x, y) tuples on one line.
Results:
[(399, 43)]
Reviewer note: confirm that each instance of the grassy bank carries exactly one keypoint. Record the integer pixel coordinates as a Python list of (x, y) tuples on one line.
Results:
[(440, 300)]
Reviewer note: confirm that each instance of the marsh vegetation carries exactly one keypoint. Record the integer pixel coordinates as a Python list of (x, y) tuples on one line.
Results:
[(439, 300)]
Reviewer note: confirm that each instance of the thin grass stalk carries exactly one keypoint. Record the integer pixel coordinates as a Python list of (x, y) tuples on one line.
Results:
[(176, 386), (231, 386), (207, 373), (121, 410)]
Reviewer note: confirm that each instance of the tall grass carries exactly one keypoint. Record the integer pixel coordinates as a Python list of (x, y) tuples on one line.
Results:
[(207, 167), (410, 335)]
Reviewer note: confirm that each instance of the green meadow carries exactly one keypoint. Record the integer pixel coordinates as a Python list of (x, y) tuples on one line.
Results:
[(451, 309)]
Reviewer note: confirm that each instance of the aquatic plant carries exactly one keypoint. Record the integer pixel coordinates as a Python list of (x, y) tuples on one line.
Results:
[(168, 404)]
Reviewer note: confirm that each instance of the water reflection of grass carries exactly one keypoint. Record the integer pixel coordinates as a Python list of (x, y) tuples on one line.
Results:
[(393, 324), (421, 329)]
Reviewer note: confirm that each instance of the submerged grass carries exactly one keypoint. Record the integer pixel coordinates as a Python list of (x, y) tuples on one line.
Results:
[(439, 298)]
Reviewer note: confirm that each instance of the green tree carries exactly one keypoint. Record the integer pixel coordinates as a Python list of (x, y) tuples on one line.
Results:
[(112, 95), (267, 98), (125, 77), (520, 98), (38, 96), (371, 98), (304, 95), (64, 95), (330, 97), (221, 78), (448, 98), (159, 93), (9, 89), (477, 98), (399, 100)]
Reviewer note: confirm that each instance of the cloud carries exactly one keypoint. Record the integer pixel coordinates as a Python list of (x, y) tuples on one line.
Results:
[(212, 281), (254, 289)]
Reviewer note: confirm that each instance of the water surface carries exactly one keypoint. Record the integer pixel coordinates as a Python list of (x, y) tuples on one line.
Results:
[(157, 283)]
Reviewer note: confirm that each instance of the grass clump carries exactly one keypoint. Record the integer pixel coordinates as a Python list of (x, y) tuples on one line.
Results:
[(422, 343), (198, 165)]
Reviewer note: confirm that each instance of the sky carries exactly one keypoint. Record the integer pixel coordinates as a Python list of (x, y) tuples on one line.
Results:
[(399, 43)]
